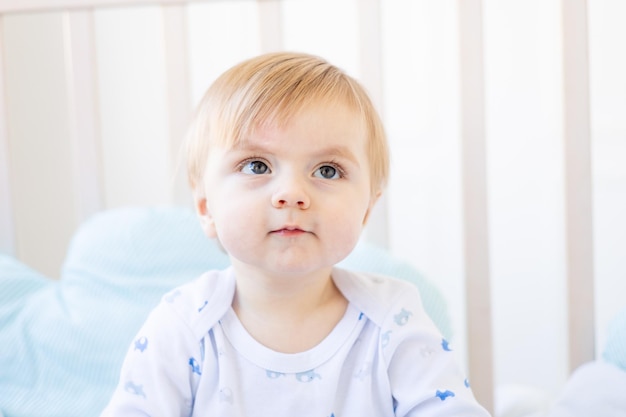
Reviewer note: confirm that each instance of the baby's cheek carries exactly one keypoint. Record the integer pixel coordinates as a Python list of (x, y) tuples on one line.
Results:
[(346, 238), (233, 232)]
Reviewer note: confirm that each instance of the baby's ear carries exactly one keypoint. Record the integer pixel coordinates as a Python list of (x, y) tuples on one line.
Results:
[(373, 201), (206, 219)]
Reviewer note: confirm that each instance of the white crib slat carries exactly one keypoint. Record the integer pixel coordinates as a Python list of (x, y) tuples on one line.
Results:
[(7, 232), (178, 94), (84, 124), (270, 24), (578, 187), (370, 64), (370, 49), (477, 276)]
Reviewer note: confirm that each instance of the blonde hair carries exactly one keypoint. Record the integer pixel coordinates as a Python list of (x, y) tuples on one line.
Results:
[(270, 89)]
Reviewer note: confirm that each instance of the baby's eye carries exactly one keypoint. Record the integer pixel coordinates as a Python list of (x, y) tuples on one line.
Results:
[(328, 172), (255, 167)]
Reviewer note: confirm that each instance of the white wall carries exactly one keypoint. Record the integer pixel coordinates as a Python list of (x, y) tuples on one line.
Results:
[(420, 104)]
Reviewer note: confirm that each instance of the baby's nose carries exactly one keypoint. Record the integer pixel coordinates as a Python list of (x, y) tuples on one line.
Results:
[(291, 193)]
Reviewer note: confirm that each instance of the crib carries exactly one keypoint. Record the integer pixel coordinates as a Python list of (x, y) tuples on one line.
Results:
[(506, 122)]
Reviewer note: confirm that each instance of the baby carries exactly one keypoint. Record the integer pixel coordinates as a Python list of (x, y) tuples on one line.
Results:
[(286, 159)]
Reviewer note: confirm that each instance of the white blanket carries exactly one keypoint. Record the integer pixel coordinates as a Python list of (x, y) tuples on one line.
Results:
[(595, 389)]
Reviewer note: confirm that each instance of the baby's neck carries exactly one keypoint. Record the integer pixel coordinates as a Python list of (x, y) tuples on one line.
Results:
[(289, 317)]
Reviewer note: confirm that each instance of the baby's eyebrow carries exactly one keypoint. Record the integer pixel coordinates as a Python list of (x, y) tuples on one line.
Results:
[(247, 149), (340, 152)]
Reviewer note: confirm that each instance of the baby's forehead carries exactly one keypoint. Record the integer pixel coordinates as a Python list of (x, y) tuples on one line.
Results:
[(243, 133)]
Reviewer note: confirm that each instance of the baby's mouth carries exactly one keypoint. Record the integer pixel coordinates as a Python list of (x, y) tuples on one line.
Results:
[(289, 231)]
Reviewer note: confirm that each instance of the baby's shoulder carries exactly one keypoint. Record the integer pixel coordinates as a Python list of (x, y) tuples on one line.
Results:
[(377, 296), (201, 303)]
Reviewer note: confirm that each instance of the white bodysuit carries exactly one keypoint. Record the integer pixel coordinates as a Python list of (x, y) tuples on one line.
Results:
[(385, 357)]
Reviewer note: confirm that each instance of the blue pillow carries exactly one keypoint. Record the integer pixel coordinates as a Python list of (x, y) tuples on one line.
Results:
[(370, 258), (615, 346), (63, 341)]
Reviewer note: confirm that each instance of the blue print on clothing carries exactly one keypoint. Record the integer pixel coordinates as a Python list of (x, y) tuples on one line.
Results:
[(364, 371), (402, 317), (170, 298), (141, 344), (385, 338), (202, 306), (195, 366), (466, 382), (131, 388), (445, 345), (426, 351), (307, 376), (226, 395), (444, 395), (273, 375)]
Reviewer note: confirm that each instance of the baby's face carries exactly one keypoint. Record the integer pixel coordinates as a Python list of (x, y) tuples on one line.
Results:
[(291, 200)]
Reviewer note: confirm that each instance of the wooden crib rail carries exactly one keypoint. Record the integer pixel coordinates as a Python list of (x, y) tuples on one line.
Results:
[(578, 179), (6, 205), (475, 220)]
